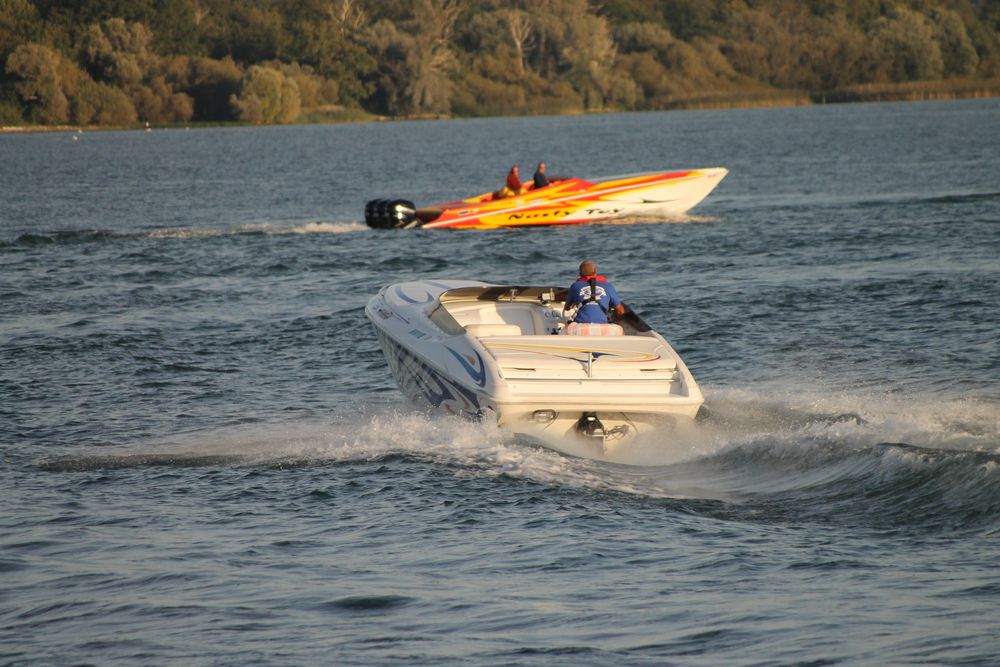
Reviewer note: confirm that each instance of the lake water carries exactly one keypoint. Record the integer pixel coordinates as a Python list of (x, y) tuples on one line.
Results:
[(204, 459)]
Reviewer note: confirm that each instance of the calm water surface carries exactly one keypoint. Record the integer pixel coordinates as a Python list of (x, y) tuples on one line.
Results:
[(204, 460)]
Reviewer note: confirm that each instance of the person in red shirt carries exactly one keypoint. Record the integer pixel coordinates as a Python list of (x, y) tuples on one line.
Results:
[(514, 180), (512, 186)]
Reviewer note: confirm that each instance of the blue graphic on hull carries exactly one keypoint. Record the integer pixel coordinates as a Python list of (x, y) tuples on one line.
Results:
[(426, 386), (477, 374)]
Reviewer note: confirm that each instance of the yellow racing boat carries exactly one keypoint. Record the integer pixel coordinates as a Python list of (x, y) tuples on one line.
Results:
[(565, 201)]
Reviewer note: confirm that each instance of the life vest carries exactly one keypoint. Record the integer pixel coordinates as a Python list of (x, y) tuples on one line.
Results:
[(593, 280)]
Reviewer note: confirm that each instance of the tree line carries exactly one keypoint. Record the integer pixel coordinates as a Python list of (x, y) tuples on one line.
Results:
[(122, 62)]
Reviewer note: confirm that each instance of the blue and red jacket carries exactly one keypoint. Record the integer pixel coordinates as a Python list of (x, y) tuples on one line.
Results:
[(596, 303)]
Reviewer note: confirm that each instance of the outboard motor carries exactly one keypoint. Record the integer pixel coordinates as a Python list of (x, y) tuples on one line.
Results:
[(592, 428), (390, 213), (589, 426)]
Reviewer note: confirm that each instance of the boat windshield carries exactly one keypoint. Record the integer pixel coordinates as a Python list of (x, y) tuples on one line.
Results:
[(506, 293), (444, 321)]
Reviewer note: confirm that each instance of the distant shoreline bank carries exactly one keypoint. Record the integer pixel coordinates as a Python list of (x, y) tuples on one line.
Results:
[(923, 91)]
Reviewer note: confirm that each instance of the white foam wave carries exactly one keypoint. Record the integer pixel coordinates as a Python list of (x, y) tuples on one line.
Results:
[(325, 228), (779, 444), (962, 424), (471, 449), (657, 220), (270, 229)]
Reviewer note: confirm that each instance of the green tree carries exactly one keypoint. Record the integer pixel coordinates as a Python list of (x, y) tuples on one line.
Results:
[(39, 84), (958, 55), (170, 60), (328, 36), (498, 49), (121, 54), (905, 49), (794, 48), (591, 53), (985, 36), (20, 24), (415, 64), (836, 55), (57, 91), (621, 12), (175, 24), (247, 33), (100, 104), (391, 49), (690, 18), (266, 96), (431, 57), (574, 44), (208, 82), (643, 37)]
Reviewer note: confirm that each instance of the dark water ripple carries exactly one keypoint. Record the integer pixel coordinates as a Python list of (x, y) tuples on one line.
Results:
[(204, 459)]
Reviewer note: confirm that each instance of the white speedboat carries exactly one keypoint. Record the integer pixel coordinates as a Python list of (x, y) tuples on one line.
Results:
[(508, 353)]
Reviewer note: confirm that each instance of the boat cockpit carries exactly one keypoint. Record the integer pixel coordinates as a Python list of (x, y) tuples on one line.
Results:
[(519, 311)]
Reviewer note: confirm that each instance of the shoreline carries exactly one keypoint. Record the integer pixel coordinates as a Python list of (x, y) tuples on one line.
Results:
[(920, 91)]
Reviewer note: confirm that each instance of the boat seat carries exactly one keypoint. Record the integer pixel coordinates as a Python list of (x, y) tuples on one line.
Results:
[(593, 329), (520, 315), (490, 329)]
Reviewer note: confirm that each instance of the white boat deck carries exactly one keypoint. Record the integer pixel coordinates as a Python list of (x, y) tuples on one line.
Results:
[(561, 357)]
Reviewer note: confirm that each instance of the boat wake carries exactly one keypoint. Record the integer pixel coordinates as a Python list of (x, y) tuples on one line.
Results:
[(78, 236), (266, 229), (657, 220), (68, 237), (884, 462), (904, 199)]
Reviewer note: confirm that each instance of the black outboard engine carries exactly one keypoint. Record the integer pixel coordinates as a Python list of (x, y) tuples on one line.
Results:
[(390, 213), (593, 429), (589, 426)]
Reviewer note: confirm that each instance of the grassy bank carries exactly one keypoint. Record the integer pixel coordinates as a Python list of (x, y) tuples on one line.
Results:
[(946, 89), (903, 92), (336, 114), (915, 91)]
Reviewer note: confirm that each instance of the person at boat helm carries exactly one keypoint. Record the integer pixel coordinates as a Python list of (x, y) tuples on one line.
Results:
[(512, 187), (541, 180), (595, 295)]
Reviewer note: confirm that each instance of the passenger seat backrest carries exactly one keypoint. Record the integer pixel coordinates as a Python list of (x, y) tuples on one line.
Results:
[(594, 329), (518, 314)]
